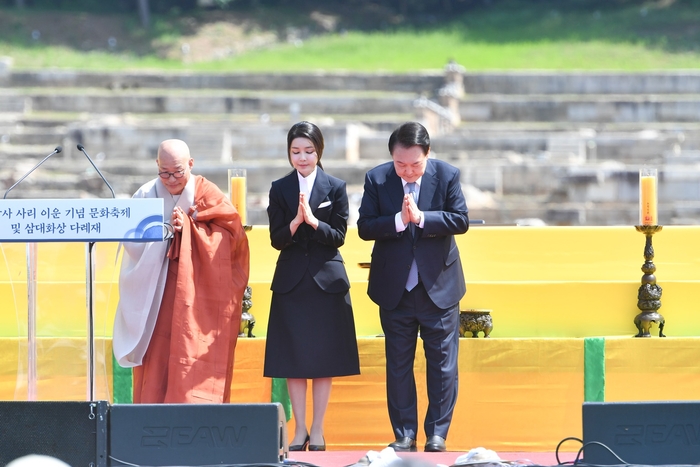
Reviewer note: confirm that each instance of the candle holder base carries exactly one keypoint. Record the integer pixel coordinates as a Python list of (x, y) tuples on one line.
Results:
[(644, 320), (247, 318)]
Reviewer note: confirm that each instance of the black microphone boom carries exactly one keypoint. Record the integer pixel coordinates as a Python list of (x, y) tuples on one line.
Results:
[(81, 148), (55, 151)]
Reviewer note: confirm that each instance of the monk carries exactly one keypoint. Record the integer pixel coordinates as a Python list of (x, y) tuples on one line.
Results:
[(179, 309)]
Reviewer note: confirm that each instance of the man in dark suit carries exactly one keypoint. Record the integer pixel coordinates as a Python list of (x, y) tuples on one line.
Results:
[(412, 208)]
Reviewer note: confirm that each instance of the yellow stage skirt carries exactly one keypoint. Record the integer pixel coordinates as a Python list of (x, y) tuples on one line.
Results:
[(562, 299), (514, 394)]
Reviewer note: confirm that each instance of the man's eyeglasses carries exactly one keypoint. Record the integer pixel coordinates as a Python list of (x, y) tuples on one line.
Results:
[(166, 175)]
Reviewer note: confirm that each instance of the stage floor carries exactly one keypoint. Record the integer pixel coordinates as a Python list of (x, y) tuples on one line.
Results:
[(347, 458)]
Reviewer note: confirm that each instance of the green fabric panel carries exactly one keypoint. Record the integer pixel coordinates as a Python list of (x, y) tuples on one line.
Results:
[(594, 369), (280, 394), (122, 389)]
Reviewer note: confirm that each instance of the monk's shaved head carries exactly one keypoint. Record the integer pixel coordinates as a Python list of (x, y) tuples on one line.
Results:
[(173, 150), (174, 165)]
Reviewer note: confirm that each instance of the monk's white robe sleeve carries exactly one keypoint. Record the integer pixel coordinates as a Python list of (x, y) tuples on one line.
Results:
[(142, 276)]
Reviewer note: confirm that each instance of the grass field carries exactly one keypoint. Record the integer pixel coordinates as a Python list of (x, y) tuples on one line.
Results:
[(625, 36)]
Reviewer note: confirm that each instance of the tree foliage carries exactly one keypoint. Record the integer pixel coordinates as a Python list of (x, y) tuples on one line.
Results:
[(405, 8)]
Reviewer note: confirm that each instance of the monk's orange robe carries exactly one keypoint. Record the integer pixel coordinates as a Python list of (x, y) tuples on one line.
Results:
[(190, 356)]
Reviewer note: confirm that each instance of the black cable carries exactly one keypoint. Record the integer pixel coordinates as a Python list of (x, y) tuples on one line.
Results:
[(301, 463), (622, 463), (123, 462), (580, 451), (556, 451)]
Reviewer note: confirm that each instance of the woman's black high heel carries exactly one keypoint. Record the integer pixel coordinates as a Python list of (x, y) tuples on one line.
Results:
[(300, 447), (318, 447)]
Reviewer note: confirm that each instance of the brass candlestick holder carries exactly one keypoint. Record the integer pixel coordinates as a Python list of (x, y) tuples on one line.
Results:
[(247, 318), (649, 294)]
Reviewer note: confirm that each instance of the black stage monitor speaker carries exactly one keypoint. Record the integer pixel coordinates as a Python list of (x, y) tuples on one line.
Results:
[(74, 432), (196, 434), (648, 433)]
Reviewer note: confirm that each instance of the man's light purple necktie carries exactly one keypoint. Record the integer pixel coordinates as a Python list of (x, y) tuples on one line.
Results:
[(412, 280)]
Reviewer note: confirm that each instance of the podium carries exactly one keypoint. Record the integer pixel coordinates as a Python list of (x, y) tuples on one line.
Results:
[(33, 221)]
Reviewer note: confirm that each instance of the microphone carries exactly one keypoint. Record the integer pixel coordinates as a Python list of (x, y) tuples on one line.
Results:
[(55, 151), (81, 148)]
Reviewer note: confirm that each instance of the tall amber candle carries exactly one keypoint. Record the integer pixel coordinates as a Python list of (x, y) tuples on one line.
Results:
[(238, 192), (648, 214)]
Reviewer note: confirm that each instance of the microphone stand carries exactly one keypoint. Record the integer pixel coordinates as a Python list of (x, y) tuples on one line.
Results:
[(32, 254), (90, 293), (81, 148), (55, 151)]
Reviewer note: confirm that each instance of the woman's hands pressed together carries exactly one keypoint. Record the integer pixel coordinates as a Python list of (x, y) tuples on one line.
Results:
[(309, 217), (304, 215)]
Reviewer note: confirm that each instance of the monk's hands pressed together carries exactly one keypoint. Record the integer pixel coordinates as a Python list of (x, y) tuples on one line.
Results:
[(410, 211), (177, 219), (309, 217)]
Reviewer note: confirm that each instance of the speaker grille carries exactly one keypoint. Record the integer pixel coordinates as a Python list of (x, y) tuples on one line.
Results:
[(64, 430), (645, 433), (196, 434)]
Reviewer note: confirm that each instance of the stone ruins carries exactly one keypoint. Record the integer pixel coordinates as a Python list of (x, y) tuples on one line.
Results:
[(534, 148)]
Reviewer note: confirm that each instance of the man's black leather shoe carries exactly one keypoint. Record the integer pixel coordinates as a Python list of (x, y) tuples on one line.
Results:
[(435, 443), (404, 444)]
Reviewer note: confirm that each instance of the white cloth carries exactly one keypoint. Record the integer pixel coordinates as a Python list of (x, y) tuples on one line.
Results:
[(142, 278), (480, 456), (37, 460), (380, 459)]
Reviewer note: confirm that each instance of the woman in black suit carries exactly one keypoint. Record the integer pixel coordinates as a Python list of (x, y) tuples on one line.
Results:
[(311, 331)]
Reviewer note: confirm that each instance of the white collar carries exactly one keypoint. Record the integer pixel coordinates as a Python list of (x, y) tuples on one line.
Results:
[(307, 181), (418, 182)]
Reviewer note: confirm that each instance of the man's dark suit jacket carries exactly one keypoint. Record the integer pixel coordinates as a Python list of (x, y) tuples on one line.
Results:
[(434, 247), (315, 251)]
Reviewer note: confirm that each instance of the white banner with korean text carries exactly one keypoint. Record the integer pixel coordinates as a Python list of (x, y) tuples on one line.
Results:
[(82, 220)]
